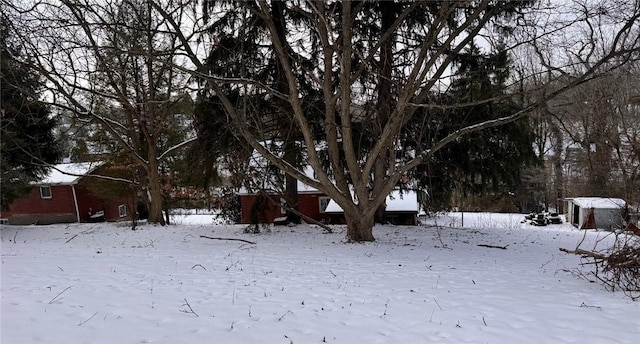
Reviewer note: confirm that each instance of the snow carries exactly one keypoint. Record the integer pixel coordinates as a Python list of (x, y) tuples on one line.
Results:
[(103, 283), (67, 174)]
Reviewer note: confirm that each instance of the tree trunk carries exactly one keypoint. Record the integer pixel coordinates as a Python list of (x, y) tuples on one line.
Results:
[(291, 185), (359, 226), (387, 9), (155, 195), (558, 179)]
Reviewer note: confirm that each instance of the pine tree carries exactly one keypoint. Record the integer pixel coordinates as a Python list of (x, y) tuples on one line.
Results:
[(484, 162), (27, 141), (242, 52)]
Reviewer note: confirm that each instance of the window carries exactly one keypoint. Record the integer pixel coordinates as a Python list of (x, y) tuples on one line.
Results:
[(122, 210), (45, 192), (283, 206), (323, 203)]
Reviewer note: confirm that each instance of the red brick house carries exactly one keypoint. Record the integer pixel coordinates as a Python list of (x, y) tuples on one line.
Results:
[(311, 203), (65, 196)]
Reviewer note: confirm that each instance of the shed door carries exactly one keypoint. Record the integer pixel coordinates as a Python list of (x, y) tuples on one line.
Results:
[(576, 215)]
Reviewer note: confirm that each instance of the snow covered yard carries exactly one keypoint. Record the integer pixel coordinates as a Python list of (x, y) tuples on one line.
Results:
[(101, 283)]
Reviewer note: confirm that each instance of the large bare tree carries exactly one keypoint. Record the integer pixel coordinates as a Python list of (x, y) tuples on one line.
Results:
[(423, 57), (112, 65)]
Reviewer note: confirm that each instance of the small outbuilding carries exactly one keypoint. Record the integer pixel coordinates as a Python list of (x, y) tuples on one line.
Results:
[(266, 205), (65, 196), (595, 212), (401, 208)]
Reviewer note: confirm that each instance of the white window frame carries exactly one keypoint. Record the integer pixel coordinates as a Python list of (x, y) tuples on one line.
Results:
[(122, 210), (42, 194), (322, 199), (283, 206)]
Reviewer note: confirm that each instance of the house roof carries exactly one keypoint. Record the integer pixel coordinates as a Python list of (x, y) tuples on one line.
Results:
[(598, 202), (68, 174), (271, 184), (397, 201)]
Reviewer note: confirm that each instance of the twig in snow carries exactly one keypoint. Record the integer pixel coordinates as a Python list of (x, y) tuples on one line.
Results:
[(484, 321), (186, 303), (283, 315), (193, 267), (14, 236), (91, 317), (75, 235), (550, 260), (334, 275), (493, 246), (584, 253), (436, 301), (440, 238), (386, 305), (232, 239), (587, 306), (56, 299)]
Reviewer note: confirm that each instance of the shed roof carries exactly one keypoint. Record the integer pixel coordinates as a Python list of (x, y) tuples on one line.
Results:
[(68, 174), (598, 202), (397, 201), (273, 185)]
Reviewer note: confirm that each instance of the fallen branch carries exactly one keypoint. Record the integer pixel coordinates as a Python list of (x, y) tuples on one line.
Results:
[(231, 239), (283, 315), (311, 220), (295, 211), (493, 246), (583, 253), (56, 299), (186, 303), (587, 306), (617, 267), (91, 317), (75, 235)]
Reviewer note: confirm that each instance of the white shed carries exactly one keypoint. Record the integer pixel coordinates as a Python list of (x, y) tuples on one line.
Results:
[(595, 212)]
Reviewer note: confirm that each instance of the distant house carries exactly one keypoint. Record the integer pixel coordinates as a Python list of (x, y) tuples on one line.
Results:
[(64, 196), (401, 208), (265, 205), (595, 212)]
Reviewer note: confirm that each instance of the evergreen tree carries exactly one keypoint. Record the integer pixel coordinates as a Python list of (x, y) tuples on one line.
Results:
[(26, 136), (484, 162), (242, 51)]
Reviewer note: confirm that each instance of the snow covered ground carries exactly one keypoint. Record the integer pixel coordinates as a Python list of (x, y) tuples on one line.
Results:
[(102, 283)]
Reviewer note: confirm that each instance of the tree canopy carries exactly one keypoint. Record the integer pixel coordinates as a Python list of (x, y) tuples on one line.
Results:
[(26, 138)]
